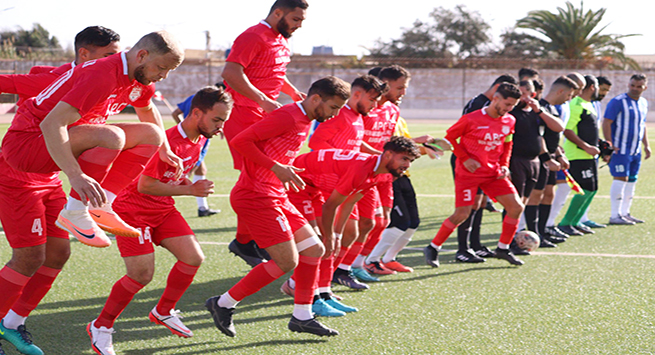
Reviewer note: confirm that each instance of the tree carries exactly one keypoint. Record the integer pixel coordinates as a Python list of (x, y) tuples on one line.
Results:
[(573, 33), (457, 32), (25, 42), (521, 45)]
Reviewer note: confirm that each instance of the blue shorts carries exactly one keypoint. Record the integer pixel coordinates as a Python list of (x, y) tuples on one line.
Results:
[(203, 152), (560, 175), (622, 165)]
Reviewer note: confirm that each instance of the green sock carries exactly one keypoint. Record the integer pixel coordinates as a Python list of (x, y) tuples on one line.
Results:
[(589, 196), (574, 208)]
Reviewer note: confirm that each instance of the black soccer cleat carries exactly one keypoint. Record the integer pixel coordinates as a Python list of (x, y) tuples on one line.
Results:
[(247, 252), (467, 256), (553, 239), (545, 243), (485, 252), (553, 231), (514, 248), (431, 256), (569, 230), (584, 229), (507, 255), (222, 316), (205, 212), (311, 326)]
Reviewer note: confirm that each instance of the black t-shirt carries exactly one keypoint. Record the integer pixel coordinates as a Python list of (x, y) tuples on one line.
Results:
[(527, 140), (551, 137), (475, 104)]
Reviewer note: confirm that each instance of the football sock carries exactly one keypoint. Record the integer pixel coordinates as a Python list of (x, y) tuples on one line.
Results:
[(617, 191), (179, 280), (510, 225), (627, 197), (577, 208), (75, 204), (11, 283), (352, 254), (399, 245), (202, 201), (35, 290), (447, 227), (374, 237), (342, 254), (325, 271), (227, 301), (303, 311), (306, 275), (243, 238), (110, 196), (464, 232), (589, 196), (260, 276), (531, 217), (95, 163), (128, 166), (359, 261), (561, 194), (119, 297), (544, 212), (13, 320), (388, 237), (476, 226)]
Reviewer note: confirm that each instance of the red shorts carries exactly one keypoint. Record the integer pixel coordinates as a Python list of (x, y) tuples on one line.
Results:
[(28, 214), (26, 151), (241, 117), (270, 220), (370, 205), (467, 187), (155, 226), (308, 201)]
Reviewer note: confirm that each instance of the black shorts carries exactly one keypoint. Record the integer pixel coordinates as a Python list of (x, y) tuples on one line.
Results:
[(542, 179), (552, 178), (405, 209), (524, 173), (585, 173)]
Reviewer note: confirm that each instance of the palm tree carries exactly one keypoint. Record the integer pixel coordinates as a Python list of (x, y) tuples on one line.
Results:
[(573, 34)]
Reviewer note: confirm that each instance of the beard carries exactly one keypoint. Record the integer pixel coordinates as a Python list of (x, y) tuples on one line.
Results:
[(140, 76), (394, 172), (360, 109), (283, 28)]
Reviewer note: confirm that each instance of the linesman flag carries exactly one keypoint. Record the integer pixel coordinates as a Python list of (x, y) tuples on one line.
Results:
[(572, 183)]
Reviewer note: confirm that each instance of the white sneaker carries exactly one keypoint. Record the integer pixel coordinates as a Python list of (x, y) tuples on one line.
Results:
[(172, 322), (81, 226), (101, 339)]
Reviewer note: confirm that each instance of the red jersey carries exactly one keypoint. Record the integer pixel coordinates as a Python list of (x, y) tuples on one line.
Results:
[(343, 131), (16, 178), (355, 171), (380, 124), (278, 137), (131, 200), (264, 56), (483, 139), (30, 85), (97, 89)]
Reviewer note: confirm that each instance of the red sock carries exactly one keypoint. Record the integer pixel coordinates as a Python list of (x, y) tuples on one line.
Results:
[(128, 166), (120, 296), (325, 271), (179, 279), (11, 283), (243, 238), (447, 228), (375, 235), (95, 163), (339, 258), (349, 259), (260, 276), (35, 290), (306, 274), (510, 225)]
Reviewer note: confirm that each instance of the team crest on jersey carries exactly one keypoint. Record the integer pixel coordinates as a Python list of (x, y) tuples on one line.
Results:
[(505, 130), (135, 93)]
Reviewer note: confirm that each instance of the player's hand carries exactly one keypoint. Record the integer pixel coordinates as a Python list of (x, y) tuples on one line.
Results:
[(329, 242), (591, 150), (202, 188), (533, 103), (471, 165), (89, 190), (443, 144), (269, 105), (504, 172), (423, 139), (298, 96), (564, 162), (553, 165), (168, 157), (287, 174), (647, 152)]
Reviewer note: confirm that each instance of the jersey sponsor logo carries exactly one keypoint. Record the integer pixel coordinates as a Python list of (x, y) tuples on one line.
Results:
[(135, 93)]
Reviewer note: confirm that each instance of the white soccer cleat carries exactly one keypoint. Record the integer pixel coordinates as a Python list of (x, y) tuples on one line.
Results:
[(172, 322), (101, 341), (81, 226)]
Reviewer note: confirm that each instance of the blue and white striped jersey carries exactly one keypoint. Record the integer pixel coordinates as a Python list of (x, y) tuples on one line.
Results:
[(628, 118)]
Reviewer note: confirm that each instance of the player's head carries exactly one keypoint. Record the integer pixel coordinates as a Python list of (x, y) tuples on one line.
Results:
[(527, 92), (590, 90), (286, 16), (504, 99), (375, 71), (538, 88), (638, 84), (399, 153), (604, 86), (397, 78), (365, 92), (528, 74), (156, 54), (326, 97), (505, 78), (562, 90), (210, 108), (579, 79), (95, 42)]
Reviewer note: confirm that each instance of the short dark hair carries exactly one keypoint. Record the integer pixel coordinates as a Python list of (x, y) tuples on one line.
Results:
[(394, 72), (538, 84), (603, 80), (375, 71), (96, 36), (505, 78), (329, 87), (590, 80), (639, 77), (527, 84), (507, 90), (400, 144), (207, 97), (566, 81), (529, 72), (370, 83), (289, 5)]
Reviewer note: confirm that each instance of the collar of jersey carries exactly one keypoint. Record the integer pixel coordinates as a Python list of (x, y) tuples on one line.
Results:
[(181, 130), (124, 60), (301, 108), (263, 22)]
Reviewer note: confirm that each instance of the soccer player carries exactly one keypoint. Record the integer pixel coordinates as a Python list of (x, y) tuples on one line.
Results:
[(259, 198), (147, 204), (483, 162), (40, 250), (624, 126), (581, 147), (255, 74), (63, 129)]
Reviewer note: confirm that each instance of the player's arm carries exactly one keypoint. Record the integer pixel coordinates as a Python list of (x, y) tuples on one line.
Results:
[(575, 139), (151, 186), (607, 129), (555, 124), (289, 89), (452, 135), (505, 156), (234, 75), (366, 148), (151, 114), (177, 115), (25, 85), (644, 141), (323, 133)]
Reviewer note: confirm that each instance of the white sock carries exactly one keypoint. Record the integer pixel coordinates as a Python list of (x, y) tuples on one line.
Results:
[(302, 311), (617, 192), (226, 301), (438, 247), (389, 236), (521, 225), (75, 204), (359, 261), (323, 290), (399, 245), (110, 196), (561, 193), (627, 197), (503, 245), (585, 217), (343, 267), (202, 201), (292, 283), (13, 320)]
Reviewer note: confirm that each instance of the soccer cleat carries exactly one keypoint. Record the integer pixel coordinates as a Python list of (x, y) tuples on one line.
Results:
[(172, 322), (379, 268), (631, 218), (287, 289), (468, 256), (431, 256), (584, 229), (20, 338), (514, 248), (553, 239), (397, 266), (553, 231), (620, 221), (490, 207), (82, 227), (222, 316), (507, 255), (485, 252), (569, 230), (545, 243), (321, 308), (101, 341), (205, 212), (332, 302), (110, 222), (347, 279), (592, 224), (310, 326), (362, 275), (246, 252)]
